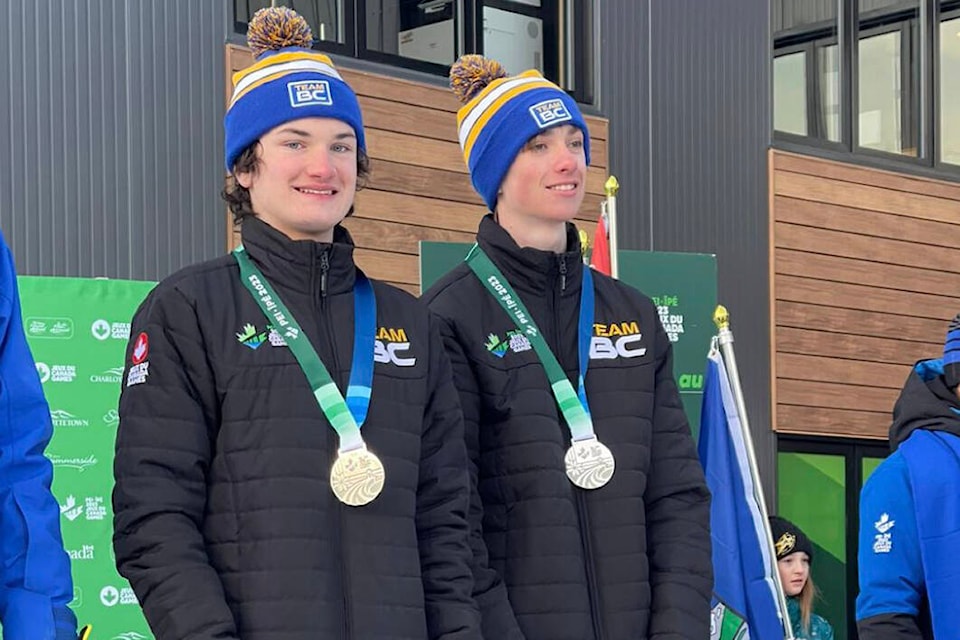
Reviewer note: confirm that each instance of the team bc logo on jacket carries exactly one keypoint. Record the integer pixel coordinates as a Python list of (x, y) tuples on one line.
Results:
[(393, 347), (608, 342), (616, 340)]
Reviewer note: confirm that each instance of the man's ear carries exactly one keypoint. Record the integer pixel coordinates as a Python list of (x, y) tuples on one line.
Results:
[(244, 178)]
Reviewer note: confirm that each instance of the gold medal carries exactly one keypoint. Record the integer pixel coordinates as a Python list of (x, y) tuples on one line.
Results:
[(590, 464), (357, 477)]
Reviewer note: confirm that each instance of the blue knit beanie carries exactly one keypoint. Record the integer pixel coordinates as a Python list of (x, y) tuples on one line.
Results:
[(288, 81), (951, 354), (500, 114)]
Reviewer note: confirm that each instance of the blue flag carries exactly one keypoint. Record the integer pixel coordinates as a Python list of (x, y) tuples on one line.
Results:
[(745, 596)]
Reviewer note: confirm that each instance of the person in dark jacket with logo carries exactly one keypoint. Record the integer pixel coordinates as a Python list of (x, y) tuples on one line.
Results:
[(290, 459), (35, 582), (591, 514), (910, 511)]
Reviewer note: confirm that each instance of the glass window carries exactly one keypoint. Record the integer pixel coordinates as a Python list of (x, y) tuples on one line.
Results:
[(812, 493), (515, 39), (950, 91), (325, 17), (828, 76), (813, 94), (553, 36), (423, 30), (790, 93), (888, 67)]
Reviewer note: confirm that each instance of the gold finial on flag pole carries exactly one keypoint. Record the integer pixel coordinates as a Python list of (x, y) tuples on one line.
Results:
[(721, 317), (611, 186)]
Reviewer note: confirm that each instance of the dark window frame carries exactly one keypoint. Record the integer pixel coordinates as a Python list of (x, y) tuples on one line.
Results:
[(812, 38), (923, 81), (853, 450), (469, 39), (949, 10)]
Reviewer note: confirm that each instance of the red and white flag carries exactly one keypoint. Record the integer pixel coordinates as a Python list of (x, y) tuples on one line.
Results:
[(600, 257)]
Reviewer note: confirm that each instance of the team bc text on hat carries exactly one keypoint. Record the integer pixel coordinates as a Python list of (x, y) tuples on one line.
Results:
[(287, 82), (501, 113)]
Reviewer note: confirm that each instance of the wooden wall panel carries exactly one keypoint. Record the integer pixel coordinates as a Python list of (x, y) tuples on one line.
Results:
[(419, 188), (864, 281)]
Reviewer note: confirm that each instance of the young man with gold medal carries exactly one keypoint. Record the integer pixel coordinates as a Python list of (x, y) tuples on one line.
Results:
[(591, 515), (290, 459)]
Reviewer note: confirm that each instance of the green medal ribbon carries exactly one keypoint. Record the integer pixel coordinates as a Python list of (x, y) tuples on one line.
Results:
[(572, 405), (325, 390)]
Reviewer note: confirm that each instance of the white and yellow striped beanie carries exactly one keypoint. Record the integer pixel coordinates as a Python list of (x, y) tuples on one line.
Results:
[(501, 113), (287, 82)]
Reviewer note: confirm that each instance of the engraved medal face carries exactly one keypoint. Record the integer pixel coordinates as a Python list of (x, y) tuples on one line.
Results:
[(590, 464), (357, 477)]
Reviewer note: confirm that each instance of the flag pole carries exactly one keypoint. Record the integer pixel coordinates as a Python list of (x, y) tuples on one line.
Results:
[(609, 209), (721, 318)]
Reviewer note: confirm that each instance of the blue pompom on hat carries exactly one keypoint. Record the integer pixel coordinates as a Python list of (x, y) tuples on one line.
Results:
[(287, 82), (951, 354), (501, 113)]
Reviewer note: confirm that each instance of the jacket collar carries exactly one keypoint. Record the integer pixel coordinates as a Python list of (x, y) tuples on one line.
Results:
[(925, 403), (532, 269), (299, 264)]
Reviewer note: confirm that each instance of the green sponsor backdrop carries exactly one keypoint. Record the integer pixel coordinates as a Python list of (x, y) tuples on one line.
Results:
[(78, 330), (683, 285)]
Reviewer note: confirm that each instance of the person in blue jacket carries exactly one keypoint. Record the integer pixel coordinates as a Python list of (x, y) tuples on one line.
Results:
[(35, 581), (910, 511)]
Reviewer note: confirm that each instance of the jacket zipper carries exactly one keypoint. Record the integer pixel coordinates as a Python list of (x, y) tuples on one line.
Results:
[(586, 542), (324, 271), (338, 529)]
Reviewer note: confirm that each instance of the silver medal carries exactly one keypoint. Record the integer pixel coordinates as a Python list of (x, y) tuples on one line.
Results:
[(590, 464)]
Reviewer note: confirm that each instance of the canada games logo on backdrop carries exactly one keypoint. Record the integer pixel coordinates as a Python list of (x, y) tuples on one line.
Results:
[(56, 372), (105, 330)]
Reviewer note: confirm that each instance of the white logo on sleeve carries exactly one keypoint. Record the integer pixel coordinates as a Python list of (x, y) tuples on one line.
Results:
[(883, 541)]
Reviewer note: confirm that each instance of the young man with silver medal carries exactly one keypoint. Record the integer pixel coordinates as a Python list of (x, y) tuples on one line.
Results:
[(290, 458), (590, 517)]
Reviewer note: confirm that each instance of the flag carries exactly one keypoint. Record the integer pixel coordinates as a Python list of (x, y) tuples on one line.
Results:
[(600, 258), (745, 596)]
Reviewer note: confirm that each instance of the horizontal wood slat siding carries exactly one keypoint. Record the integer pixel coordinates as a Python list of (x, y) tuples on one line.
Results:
[(419, 188), (864, 281)]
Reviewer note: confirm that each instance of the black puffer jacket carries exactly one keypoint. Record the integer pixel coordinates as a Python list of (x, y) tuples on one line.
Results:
[(625, 562), (225, 522)]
